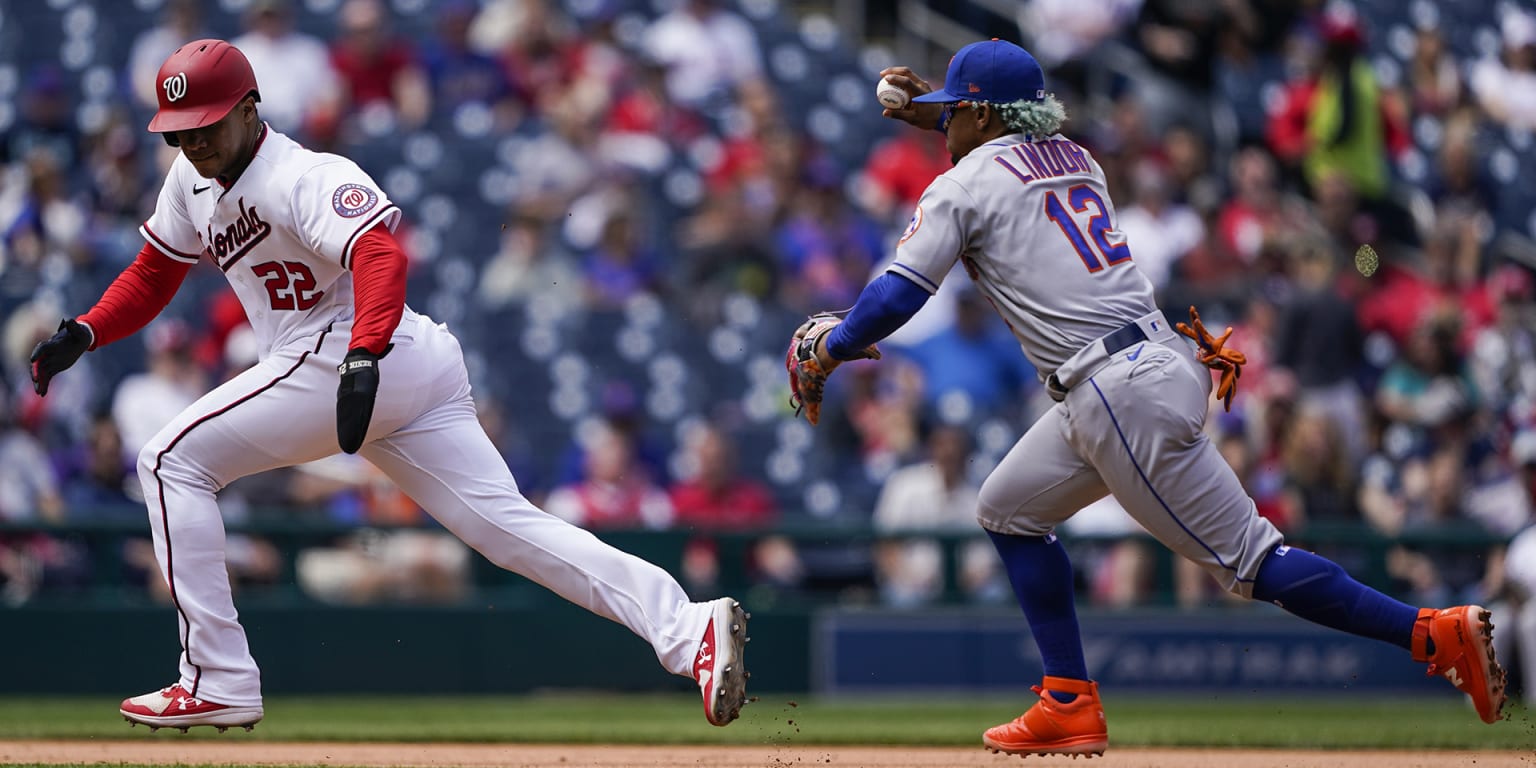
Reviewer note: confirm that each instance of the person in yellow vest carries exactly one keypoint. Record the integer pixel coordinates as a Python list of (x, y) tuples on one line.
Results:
[(1338, 122)]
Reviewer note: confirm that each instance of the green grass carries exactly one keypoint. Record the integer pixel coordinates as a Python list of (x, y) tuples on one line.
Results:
[(1341, 722)]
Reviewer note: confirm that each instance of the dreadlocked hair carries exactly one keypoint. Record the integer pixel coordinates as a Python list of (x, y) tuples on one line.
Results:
[(1032, 118)]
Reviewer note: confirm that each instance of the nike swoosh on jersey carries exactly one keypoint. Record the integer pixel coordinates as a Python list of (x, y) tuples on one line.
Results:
[(196, 190), (1132, 356)]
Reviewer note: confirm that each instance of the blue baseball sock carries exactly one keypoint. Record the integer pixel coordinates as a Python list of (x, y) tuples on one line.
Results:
[(1318, 590), (1041, 576)]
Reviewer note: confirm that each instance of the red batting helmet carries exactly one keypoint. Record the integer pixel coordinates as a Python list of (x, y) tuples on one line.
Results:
[(199, 83)]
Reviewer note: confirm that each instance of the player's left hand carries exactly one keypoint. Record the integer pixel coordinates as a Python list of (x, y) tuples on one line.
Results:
[(354, 397), (1215, 355), (809, 364)]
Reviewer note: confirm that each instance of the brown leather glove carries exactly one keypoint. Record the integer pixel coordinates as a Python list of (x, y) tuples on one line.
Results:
[(809, 365), (1215, 355)]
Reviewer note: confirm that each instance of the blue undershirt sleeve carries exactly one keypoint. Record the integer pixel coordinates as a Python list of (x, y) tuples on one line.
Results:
[(886, 304)]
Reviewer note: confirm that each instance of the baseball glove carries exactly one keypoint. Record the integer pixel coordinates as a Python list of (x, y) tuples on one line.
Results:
[(1215, 355), (809, 364)]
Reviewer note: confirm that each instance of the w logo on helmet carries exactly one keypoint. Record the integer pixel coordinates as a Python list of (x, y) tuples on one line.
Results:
[(175, 86)]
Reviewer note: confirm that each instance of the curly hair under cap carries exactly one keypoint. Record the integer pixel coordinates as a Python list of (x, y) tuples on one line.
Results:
[(1033, 118)]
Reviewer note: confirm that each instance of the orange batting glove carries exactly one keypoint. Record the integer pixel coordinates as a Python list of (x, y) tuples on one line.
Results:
[(1215, 355)]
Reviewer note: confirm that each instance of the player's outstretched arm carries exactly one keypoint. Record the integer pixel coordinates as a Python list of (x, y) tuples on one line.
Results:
[(925, 116), (140, 293), (828, 339)]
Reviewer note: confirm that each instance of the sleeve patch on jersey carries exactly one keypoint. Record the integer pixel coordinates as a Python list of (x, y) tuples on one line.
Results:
[(917, 221), (353, 200)]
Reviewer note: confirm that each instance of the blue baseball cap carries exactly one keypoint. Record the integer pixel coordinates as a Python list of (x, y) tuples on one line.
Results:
[(992, 70)]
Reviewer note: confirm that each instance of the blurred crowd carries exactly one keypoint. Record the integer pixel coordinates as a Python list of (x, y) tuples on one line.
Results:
[(721, 168)]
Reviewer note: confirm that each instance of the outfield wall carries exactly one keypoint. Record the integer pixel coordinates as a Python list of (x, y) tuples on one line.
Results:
[(509, 649)]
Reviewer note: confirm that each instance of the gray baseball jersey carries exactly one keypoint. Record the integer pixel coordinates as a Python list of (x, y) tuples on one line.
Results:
[(1034, 226)]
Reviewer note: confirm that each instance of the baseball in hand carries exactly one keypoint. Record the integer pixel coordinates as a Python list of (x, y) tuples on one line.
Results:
[(890, 96)]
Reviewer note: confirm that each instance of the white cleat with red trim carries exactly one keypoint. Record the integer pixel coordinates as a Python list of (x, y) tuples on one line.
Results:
[(718, 666), (173, 707)]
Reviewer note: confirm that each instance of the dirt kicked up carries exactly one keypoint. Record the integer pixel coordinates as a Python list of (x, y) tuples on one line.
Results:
[(169, 751)]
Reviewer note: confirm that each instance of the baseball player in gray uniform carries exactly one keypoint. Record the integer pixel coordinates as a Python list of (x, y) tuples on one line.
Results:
[(306, 241), (1026, 212)]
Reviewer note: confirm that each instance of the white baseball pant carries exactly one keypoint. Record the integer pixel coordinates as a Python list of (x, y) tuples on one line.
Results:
[(426, 438)]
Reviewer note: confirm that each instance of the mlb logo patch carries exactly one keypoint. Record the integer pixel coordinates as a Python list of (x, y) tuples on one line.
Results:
[(353, 200)]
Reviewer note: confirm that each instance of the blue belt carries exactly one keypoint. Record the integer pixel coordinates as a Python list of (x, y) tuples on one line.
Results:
[(1125, 337), (1130, 333)]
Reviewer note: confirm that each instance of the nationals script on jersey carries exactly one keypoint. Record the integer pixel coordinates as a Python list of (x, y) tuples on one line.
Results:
[(282, 234), (1034, 227)]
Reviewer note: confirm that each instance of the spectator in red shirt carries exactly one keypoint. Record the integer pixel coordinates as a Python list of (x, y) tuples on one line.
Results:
[(376, 68), (644, 126), (617, 491), (897, 172), (716, 496), (1252, 216), (1399, 299)]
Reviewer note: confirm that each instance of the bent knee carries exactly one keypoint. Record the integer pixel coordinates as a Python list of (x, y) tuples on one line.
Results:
[(161, 465), (149, 459), (1000, 516)]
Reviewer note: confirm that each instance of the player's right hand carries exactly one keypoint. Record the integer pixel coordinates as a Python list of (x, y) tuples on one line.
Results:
[(354, 397), (925, 116), (58, 353), (1216, 355)]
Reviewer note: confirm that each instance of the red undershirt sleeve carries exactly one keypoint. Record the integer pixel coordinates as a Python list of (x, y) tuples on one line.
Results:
[(137, 295), (378, 288)]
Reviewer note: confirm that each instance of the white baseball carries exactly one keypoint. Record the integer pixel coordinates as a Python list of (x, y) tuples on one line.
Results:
[(890, 96)]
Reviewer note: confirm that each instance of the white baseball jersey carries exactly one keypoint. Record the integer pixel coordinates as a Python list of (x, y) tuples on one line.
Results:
[(1034, 226), (282, 234)]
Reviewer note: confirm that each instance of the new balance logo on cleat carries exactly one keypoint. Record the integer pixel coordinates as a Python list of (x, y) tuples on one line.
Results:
[(1052, 727), (1462, 639)]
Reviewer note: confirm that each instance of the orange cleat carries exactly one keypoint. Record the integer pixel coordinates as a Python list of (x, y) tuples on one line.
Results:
[(1463, 638), (1053, 728)]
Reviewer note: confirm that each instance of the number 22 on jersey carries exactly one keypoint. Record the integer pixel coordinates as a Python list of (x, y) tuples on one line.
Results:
[(289, 284), (1082, 198)]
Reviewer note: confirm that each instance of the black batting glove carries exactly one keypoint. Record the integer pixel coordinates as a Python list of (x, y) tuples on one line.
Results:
[(58, 353), (354, 397)]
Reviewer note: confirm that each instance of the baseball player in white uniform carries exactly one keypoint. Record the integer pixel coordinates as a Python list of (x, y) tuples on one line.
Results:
[(1027, 212), (306, 241)]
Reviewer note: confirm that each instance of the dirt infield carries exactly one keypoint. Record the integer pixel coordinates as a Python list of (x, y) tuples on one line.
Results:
[(170, 751)]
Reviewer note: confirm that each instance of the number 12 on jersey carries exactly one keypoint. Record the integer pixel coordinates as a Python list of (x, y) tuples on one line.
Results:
[(1080, 197)]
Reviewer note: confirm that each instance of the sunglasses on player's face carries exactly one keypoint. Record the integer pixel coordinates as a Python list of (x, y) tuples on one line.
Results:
[(948, 113)]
